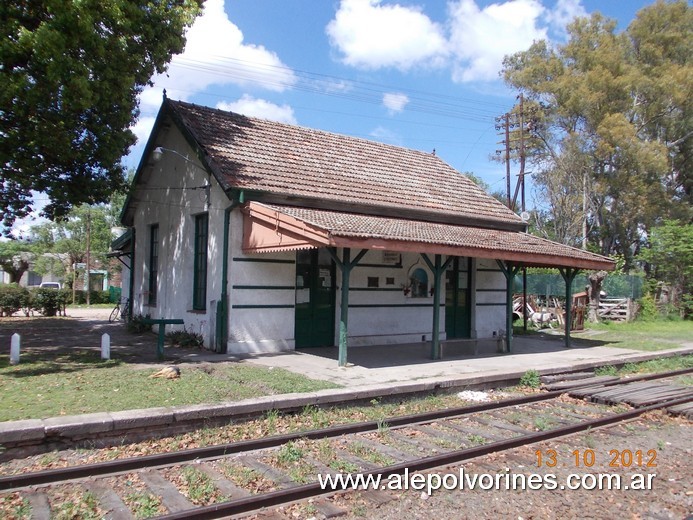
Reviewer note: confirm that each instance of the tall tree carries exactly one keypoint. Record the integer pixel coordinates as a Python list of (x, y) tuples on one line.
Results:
[(70, 73), (15, 258), (615, 125)]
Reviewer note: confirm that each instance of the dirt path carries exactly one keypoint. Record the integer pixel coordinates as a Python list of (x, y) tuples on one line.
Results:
[(81, 330)]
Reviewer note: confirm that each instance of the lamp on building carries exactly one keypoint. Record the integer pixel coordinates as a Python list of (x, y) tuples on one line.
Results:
[(158, 152)]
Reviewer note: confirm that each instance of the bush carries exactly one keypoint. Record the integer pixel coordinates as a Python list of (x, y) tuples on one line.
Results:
[(647, 309), (49, 301), (13, 298), (185, 339), (94, 297), (530, 379), (136, 324)]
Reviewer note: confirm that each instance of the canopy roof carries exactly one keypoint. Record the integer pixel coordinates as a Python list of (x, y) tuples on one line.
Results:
[(270, 227)]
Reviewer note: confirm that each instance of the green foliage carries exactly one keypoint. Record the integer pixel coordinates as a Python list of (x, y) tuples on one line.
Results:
[(289, 453), (15, 258), (136, 324), (610, 116), (647, 309), (606, 370), (185, 339), (670, 257), (70, 78), (530, 379), (13, 298), (49, 301)]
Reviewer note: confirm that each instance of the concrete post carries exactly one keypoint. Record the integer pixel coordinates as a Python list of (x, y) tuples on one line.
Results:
[(14, 349), (106, 347)]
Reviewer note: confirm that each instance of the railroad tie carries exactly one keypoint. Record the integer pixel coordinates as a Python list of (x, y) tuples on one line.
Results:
[(171, 498), (40, 507), (225, 486), (110, 501)]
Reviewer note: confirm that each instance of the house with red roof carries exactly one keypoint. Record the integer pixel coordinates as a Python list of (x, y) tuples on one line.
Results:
[(267, 237)]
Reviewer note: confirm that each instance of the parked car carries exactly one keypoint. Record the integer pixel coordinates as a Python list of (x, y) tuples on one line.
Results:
[(50, 285)]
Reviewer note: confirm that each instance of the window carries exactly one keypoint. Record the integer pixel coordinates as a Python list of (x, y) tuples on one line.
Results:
[(418, 281), (153, 262), (373, 281), (200, 267)]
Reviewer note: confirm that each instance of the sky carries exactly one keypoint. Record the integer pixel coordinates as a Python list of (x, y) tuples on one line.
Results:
[(423, 74)]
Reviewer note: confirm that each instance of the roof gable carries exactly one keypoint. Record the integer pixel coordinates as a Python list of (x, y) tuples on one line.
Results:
[(304, 165)]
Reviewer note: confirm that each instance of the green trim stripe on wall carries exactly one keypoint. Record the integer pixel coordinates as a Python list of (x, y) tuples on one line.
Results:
[(391, 305), (264, 260), (262, 306), (265, 287), (376, 289)]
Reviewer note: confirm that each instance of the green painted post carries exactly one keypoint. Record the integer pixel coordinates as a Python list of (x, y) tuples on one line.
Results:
[(510, 272), (344, 311), (568, 275), (435, 339)]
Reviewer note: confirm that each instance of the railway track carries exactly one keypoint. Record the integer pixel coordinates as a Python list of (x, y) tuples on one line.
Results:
[(247, 476)]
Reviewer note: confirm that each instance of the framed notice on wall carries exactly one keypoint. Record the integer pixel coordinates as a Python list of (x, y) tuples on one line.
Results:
[(392, 258)]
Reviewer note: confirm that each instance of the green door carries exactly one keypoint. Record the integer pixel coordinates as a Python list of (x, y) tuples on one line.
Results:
[(315, 298), (457, 299)]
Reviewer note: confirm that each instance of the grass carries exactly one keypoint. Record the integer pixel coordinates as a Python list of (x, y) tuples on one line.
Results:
[(647, 336), (79, 382), (143, 505)]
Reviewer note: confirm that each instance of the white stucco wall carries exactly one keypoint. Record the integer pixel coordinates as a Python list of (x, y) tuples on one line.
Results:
[(261, 297), (490, 299), (171, 198), (385, 315)]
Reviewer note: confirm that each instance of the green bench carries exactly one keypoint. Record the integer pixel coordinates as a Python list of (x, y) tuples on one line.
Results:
[(162, 332)]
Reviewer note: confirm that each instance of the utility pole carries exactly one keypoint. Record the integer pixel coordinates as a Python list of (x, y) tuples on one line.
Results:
[(88, 275), (504, 122)]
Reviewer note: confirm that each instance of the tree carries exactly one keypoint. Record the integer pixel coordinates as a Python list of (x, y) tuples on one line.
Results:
[(15, 258), (71, 73), (670, 259), (614, 126)]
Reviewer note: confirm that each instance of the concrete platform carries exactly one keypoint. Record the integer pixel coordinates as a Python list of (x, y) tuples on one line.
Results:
[(387, 364)]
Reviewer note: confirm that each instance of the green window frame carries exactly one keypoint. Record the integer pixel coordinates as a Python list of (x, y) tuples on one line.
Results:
[(153, 263), (200, 262)]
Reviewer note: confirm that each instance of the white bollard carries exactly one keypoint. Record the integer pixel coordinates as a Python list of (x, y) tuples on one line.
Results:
[(105, 346), (14, 349)]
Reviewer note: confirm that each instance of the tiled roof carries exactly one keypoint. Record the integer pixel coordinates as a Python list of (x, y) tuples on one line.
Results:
[(490, 243), (286, 160)]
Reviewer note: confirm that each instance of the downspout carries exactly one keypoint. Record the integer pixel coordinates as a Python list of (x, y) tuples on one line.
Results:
[(131, 295), (222, 318)]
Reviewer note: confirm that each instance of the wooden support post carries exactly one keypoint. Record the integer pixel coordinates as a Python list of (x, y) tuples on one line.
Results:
[(568, 274), (345, 264), (437, 269), (510, 271)]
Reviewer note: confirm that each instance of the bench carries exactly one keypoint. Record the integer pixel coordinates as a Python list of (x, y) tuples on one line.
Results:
[(162, 332)]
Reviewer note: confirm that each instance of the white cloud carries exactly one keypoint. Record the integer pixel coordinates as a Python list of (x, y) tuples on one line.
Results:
[(216, 54), (395, 101), (386, 136), (261, 108), (563, 13), (143, 128), (480, 38), (373, 36)]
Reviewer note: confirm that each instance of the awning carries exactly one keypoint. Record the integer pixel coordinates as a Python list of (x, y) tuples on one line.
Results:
[(270, 228)]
